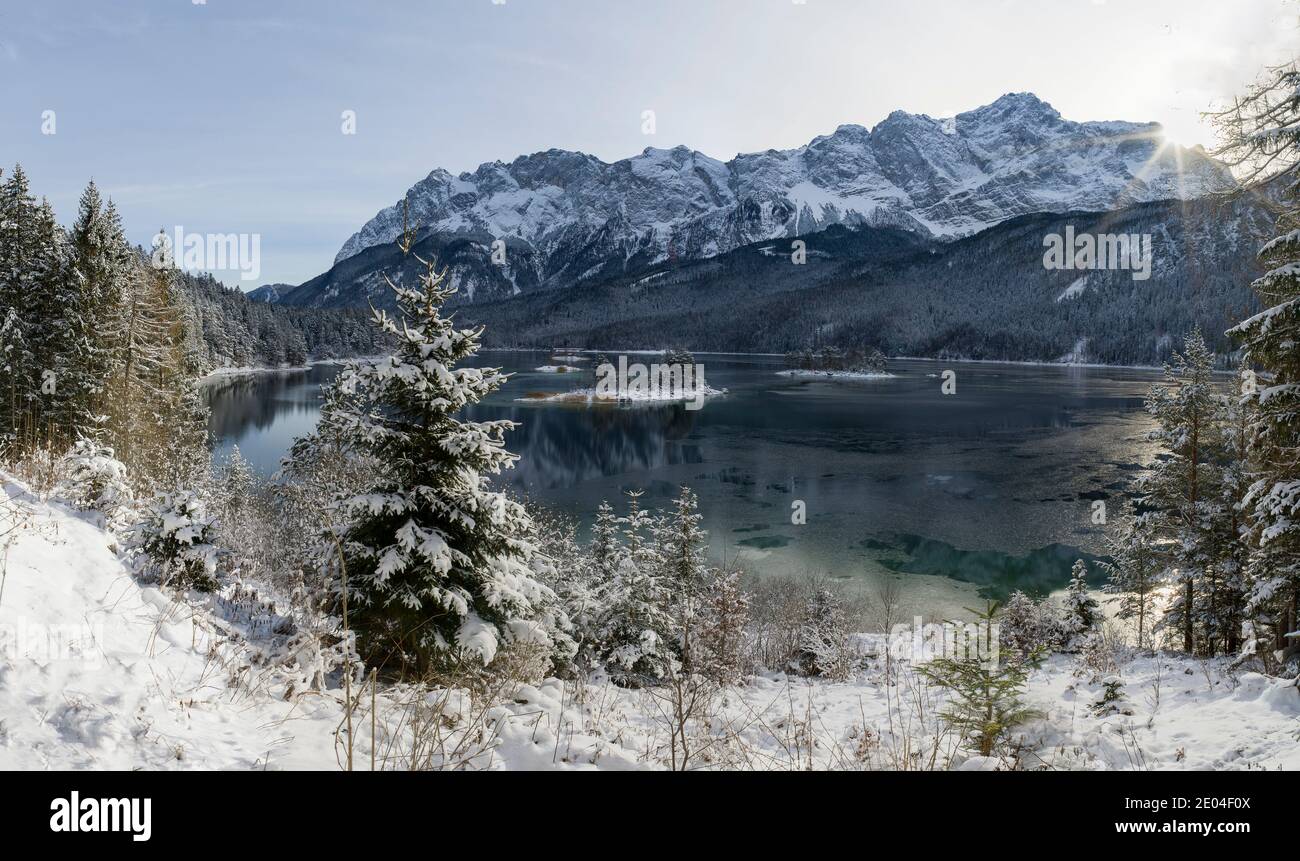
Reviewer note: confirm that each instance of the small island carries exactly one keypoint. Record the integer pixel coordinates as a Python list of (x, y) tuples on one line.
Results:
[(859, 363)]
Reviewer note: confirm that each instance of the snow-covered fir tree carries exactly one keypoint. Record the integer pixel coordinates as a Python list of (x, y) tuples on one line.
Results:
[(638, 633), (434, 564), (93, 478), (1081, 613), (606, 550), (105, 265), (1183, 488), (683, 544), (32, 283), (1261, 131), (175, 543), (568, 569)]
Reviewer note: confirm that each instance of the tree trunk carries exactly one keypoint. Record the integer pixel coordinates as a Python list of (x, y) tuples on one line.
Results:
[(1189, 594)]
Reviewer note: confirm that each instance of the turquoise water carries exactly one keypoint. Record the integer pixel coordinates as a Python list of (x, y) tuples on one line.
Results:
[(958, 497)]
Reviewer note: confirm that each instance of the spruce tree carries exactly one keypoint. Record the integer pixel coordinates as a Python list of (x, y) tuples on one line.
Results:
[(18, 287), (1183, 488), (1261, 133), (682, 545), (435, 565), (57, 326), (606, 551), (638, 632), (104, 265), (1082, 614), (724, 618)]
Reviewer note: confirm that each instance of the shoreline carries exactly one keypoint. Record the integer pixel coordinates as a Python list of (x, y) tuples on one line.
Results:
[(217, 374), (226, 373), (1037, 363)]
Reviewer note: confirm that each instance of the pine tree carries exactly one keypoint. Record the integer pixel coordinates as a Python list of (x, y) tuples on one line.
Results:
[(638, 632), (434, 564), (1183, 488), (1136, 572), (18, 286), (1082, 614), (1262, 142), (1224, 610), (682, 546), (606, 551)]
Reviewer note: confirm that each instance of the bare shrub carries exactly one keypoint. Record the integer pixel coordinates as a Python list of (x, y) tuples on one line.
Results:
[(782, 611)]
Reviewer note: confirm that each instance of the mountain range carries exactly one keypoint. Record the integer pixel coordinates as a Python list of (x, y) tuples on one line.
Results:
[(924, 237)]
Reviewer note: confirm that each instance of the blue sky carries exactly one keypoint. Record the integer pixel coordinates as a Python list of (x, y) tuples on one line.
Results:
[(225, 116)]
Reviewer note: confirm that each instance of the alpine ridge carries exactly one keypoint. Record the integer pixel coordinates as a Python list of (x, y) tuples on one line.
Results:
[(568, 217)]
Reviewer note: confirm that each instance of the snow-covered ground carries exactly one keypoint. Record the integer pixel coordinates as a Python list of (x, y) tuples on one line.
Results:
[(558, 369), (100, 671)]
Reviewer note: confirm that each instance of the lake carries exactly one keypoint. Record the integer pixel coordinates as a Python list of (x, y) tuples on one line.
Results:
[(958, 497)]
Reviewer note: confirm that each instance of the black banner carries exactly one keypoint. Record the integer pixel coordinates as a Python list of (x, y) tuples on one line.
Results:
[(141, 811)]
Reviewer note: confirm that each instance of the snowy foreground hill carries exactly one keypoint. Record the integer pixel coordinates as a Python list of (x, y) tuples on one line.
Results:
[(99, 671)]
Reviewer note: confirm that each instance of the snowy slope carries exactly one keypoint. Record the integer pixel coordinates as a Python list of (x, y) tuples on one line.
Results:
[(98, 671), (945, 178)]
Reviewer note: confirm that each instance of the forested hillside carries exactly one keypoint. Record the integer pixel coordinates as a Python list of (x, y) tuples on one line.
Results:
[(985, 297), (228, 329)]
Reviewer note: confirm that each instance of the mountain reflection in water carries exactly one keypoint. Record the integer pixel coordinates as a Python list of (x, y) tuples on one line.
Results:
[(959, 496)]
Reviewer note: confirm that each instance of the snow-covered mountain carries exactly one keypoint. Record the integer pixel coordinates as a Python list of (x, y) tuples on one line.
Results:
[(572, 215)]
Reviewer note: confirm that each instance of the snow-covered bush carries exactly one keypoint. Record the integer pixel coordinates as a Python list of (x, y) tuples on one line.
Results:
[(779, 609), (1027, 626), (173, 543), (823, 648), (93, 479), (723, 640)]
